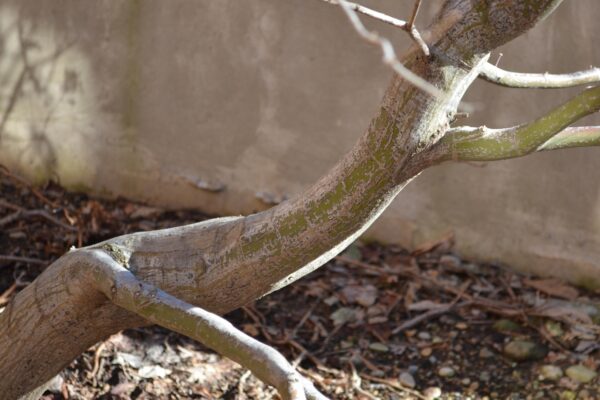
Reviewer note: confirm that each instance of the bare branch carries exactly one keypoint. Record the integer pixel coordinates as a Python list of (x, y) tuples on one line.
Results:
[(389, 54), (496, 75), (413, 17), (372, 13), (485, 144), (125, 290), (412, 29)]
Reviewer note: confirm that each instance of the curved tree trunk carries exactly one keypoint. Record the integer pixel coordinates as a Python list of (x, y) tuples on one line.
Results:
[(224, 263)]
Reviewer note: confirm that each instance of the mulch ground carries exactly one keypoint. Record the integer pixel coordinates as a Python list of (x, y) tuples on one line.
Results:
[(377, 322)]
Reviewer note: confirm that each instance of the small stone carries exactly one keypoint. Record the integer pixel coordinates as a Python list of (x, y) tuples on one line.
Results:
[(407, 380), (581, 373), (436, 340), (331, 300), (485, 353), (343, 315), (446, 372), (426, 351), (432, 393), (376, 346), (584, 395), (568, 395), (410, 332), (424, 336), (524, 350), (554, 328), (465, 381), (484, 376), (506, 325), (550, 373), (568, 383), (462, 326), (450, 261)]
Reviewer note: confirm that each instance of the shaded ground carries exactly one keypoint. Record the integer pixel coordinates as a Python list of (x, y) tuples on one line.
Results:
[(377, 322)]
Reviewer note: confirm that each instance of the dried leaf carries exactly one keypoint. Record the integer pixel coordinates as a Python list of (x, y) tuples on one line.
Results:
[(153, 371), (564, 312), (553, 287), (447, 240), (343, 315), (363, 295)]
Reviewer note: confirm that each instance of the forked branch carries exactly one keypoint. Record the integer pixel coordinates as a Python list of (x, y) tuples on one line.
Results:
[(389, 54), (496, 75), (485, 144)]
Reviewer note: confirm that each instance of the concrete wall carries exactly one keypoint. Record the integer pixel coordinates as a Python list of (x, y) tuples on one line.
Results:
[(169, 102)]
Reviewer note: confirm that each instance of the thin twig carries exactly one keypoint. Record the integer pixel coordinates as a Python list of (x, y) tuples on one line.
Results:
[(356, 383), (7, 293), (398, 23), (389, 54), (26, 260), (304, 318), (11, 206), (21, 212), (24, 183), (409, 27), (394, 385), (434, 312), (97, 355), (496, 75), (415, 11), (10, 218), (412, 29), (242, 382)]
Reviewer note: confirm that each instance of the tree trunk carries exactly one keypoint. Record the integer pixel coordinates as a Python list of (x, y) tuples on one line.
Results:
[(225, 263)]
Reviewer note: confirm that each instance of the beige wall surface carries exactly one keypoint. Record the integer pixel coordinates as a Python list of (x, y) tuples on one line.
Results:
[(228, 105)]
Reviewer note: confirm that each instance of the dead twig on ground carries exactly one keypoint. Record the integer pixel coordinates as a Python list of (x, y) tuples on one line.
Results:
[(356, 383), (25, 260), (21, 212), (392, 384), (23, 183)]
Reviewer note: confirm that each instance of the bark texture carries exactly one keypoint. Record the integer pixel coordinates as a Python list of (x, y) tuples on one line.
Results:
[(224, 263)]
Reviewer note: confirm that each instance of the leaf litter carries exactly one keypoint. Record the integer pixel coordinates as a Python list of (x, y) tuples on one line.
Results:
[(377, 322)]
